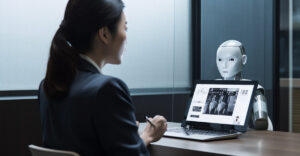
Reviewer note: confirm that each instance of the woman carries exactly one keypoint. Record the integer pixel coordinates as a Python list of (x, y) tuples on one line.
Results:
[(83, 110)]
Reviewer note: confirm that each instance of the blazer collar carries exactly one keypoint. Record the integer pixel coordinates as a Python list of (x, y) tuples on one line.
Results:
[(87, 66)]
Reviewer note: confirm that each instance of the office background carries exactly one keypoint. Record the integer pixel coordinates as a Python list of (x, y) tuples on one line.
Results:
[(171, 43)]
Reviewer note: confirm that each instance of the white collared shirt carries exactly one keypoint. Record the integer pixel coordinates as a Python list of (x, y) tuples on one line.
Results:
[(91, 61)]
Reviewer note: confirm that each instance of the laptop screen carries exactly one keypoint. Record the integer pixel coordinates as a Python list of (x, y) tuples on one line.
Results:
[(220, 103)]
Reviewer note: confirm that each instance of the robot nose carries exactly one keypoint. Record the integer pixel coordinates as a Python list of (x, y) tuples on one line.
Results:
[(225, 64)]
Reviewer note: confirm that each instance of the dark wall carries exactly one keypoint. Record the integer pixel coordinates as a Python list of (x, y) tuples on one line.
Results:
[(19, 126), (172, 107), (283, 124), (20, 119), (250, 22)]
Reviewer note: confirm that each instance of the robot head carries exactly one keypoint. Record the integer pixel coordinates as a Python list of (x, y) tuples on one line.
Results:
[(231, 58), (214, 98), (221, 98)]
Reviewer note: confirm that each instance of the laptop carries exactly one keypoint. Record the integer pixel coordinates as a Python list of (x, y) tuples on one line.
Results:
[(217, 109)]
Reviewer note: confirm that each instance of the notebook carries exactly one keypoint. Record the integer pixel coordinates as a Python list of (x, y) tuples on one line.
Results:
[(217, 109)]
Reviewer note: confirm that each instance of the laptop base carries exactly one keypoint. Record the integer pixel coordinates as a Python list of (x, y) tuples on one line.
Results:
[(180, 132)]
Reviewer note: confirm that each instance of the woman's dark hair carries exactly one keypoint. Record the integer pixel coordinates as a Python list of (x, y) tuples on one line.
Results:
[(82, 20)]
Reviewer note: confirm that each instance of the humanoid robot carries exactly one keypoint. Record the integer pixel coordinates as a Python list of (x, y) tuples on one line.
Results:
[(213, 105), (221, 106), (231, 58)]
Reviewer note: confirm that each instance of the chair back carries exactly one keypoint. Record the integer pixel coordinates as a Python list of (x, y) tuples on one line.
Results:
[(41, 151)]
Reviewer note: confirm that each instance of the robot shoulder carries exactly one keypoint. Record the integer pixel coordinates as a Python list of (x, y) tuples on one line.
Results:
[(259, 87)]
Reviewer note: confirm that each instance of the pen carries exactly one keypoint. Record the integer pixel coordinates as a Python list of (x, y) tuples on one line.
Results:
[(147, 119)]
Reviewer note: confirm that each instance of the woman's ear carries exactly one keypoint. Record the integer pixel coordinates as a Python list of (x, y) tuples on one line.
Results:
[(104, 35), (244, 59)]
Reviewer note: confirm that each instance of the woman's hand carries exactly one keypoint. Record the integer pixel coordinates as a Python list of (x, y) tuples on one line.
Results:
[(154, 133)]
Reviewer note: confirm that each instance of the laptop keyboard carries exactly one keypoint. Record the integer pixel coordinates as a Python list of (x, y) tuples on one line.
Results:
[(198, 131)]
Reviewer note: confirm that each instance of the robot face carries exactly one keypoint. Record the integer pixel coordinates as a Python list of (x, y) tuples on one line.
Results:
[(221, 97), (214, 98), (229, 61)]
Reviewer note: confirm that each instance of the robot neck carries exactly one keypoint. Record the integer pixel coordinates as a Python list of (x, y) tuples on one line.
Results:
[(238, 76)]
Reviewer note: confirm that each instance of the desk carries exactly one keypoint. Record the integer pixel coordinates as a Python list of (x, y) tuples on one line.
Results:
[(250, 143)]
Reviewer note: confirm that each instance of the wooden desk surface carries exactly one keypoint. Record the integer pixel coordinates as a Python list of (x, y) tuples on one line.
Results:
[(250, 143)]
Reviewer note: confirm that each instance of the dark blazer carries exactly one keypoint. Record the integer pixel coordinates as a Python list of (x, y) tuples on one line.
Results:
[(95, 118)]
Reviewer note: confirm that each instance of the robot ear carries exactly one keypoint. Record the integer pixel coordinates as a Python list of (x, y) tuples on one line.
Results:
[(244, 59)]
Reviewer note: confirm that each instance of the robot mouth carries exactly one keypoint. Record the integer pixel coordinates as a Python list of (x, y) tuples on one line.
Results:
[(226, 72)]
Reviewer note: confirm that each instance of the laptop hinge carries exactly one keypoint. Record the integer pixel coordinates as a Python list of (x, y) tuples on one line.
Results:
[(183, 124), (207, 126)]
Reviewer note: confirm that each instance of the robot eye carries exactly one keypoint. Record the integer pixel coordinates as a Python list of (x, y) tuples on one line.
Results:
[(232, 59), (220, 59)]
